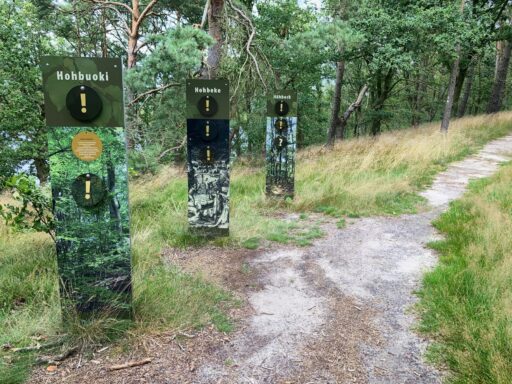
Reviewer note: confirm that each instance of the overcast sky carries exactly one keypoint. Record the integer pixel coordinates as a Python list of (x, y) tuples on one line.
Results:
[(317, 3)]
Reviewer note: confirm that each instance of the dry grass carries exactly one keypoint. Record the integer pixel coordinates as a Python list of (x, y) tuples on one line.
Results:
[(368, 174), (357, 177)]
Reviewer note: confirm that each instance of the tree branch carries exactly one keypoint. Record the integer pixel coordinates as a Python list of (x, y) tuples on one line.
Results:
[(252, 34), (114, 3), (59, 151), (146, 10), (205, 15), (182, 144), (152, 91), (356, 104)]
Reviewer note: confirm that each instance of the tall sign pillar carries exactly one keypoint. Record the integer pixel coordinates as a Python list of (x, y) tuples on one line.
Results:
[(208, 156), (281, 144), (89, 179)]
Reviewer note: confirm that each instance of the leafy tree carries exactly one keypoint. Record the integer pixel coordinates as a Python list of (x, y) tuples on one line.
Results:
[(22, 127), (177, 56), (32, 210)]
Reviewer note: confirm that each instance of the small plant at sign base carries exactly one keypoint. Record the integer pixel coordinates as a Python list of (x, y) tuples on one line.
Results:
[(246, 269), (341, 223), (305, 238), (252, 243), (280, 234), (328, 210), (229, 362)]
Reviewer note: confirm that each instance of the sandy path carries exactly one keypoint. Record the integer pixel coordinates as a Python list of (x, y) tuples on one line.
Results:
[(338, 312)]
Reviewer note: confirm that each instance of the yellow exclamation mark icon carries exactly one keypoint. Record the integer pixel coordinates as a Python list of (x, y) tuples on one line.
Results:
[(281, 124), (83, 100), (88, 187), (207, 106), (207, 129), (208, 154)]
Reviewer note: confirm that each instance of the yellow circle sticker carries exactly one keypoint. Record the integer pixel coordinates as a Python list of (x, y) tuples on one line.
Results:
[(87, 146)]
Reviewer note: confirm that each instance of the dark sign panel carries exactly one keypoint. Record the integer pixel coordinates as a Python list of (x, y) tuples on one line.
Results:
[(281, 143), (88, 170), (208, 156)]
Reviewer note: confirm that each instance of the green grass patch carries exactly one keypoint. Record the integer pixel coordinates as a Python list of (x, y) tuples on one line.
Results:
[(341, 223), (466, 302), (164, 298), (252, 243)]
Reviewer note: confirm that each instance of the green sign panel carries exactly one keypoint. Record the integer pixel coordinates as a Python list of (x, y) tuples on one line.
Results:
[(281, 143), (83, 91), (208, 156), (208, 94), (89, 179)]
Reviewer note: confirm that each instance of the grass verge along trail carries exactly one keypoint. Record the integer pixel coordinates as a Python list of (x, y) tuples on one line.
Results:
[(466, 302)]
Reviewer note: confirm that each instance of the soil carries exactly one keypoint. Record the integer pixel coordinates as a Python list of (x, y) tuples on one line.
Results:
[(338, 311)]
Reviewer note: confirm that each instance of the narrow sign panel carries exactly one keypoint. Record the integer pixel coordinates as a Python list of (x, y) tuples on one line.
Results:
[(208, 156), (281, 143), (89, 179)]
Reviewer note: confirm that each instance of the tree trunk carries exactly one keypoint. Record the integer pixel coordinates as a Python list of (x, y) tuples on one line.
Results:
[(451, 87), (336, 102), (353, 107), (104, 35), (113, 205), (451, 91), (417, 98), (503, 51), (356, 125), (467, 91), (380, 94), (133, 37), (215, 29), (42, 170), (77, 30), (133, 31), (376, 126), (459, 85)]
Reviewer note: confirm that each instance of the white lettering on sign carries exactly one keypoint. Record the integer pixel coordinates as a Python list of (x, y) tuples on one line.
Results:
[(100, 76), (207, 90), (283, 97)]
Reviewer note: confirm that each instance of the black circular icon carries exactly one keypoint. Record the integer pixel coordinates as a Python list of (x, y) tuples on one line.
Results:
[(88, 190), (207, 155), (280, 142), (282, 108), (84, 103), (281, 125), (207, 106), (210, 131)]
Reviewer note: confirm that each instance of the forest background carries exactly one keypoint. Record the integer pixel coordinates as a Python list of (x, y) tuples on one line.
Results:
[(360, 67)]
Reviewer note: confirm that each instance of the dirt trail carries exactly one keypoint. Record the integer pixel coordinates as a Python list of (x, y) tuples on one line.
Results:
[(338, 312), (335, 312)]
